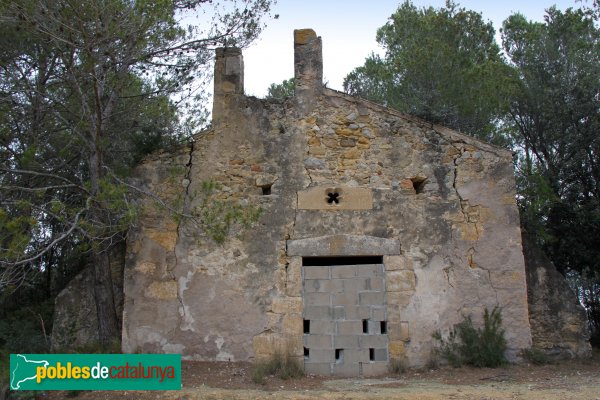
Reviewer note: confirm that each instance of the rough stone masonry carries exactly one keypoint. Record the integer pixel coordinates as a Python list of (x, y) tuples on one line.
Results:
[(323, 225)]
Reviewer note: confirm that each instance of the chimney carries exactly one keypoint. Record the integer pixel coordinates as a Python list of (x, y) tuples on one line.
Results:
[(229, 81), (308, 67)]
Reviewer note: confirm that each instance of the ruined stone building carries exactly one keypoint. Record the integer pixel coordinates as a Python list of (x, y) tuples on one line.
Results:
[(323, 225)]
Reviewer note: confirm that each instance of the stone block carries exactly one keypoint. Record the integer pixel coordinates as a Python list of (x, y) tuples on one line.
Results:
[(397, 300), (345, 299), (400, 281), (318, 341), (350, 198), (322, 327), (395, 263), (304, 36), (316, 272), (318, 312), (349, 327), (343, 271), (317, 299), (342, 245), (346, 341), (292, 324), (317, 368), (346, 370), (293, 287), (166, 290), (286, 305), (371, 298), (397, 349), (374, 368)]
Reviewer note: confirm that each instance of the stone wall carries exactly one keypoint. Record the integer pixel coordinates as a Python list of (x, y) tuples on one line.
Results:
[(559, 324), (446, 200)]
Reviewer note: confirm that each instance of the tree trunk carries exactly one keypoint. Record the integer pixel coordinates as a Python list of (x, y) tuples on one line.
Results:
[(108, 324)]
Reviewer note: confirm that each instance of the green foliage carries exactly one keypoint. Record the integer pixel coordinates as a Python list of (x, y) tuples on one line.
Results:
[(218, 216), (440, 64), (27, 329), (281, 365), (478, 347), (281, 90), (535, 356)]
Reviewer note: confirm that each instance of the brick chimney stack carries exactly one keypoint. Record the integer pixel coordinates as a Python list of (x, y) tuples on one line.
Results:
[(308, 67), (229, 81)]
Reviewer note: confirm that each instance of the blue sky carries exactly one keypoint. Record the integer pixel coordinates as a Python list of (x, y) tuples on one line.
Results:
[(348, 32)]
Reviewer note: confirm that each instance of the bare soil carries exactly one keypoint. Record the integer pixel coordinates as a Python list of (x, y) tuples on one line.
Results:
[(222, 380)]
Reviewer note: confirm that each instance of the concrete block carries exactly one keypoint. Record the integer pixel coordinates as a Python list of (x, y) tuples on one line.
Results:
[(322, 327), (370, 270), (380, 355), (371, 298), (317, 299), (318, 342), (336, 286), (346, 370), (317, 368), (378, 313), (345, 299), (320, 355), (339, 313), (343, 271), (375, 284), (356, 355), (317, 285), (373, 341), (358, 312), (349, 327), (316, 272), (346, 341), (318, 312), (356, 284), (375, 368)]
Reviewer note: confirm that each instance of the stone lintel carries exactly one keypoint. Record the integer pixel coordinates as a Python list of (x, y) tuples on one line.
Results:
[(343, 245)]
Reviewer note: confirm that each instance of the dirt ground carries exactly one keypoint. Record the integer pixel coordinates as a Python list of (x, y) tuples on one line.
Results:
[(223, 380)]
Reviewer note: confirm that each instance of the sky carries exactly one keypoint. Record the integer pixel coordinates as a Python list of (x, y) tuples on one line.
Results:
[(347, 29)]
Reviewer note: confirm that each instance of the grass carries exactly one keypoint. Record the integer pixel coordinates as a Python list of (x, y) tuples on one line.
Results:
[(281, 365)]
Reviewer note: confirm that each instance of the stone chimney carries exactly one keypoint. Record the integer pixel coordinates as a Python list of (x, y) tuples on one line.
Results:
[(308, 67), (229, 82)]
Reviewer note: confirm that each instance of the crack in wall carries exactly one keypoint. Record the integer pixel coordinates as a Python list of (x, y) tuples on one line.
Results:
[(187, 178)]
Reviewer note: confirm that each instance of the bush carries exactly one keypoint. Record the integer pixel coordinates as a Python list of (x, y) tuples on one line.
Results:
[(475, 346), (283, 366), (535, 356)]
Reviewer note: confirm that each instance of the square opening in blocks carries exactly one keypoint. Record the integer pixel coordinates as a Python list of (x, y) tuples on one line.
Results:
[(371, 354), (266, 190), (339, 355), (365, 325), (306, 325), (383, 327), (306, 352)]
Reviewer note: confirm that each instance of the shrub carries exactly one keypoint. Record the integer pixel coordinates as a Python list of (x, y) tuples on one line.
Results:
[(535, 356), (281, 365), (397, 366), (478, 347)]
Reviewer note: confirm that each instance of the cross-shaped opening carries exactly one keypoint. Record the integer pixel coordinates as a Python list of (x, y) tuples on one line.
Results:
[(333, 198)]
